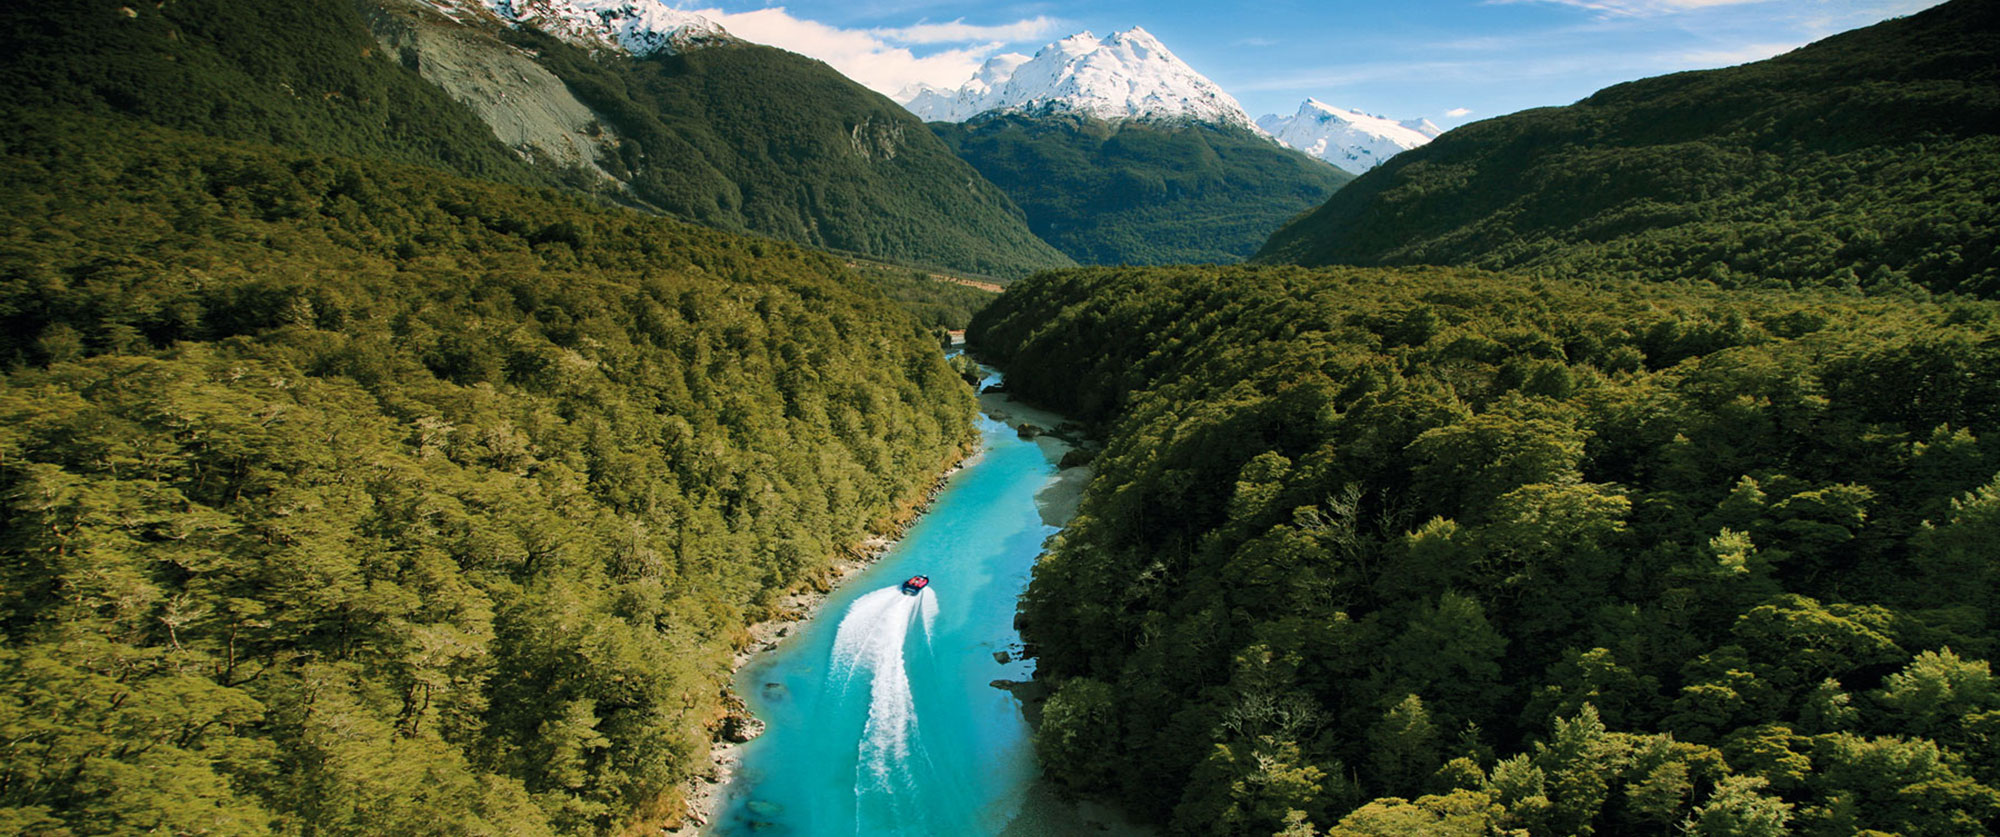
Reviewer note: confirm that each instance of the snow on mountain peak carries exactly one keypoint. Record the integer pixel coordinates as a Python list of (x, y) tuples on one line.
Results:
[(1000, 67), (1347, 138), (1127, 75), (640, 27)]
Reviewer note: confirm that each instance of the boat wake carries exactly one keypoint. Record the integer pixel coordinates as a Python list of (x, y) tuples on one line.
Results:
[(868, 648)]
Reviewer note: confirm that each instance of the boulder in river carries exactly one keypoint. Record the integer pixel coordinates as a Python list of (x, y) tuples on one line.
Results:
[(739, 728)]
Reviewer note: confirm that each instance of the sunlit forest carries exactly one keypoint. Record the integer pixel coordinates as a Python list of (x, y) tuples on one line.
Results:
[(1625, 468), (1434, 551), (348, 497)]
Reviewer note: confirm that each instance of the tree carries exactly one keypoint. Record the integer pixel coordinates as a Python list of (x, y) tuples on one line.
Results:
[(1736, 809), (1450, 651), (1403, 747), (1462, 813), (1935, 695), (1070, 741)]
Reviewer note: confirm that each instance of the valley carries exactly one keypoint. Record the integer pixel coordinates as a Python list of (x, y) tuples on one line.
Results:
[(470, 417), (915, 683)]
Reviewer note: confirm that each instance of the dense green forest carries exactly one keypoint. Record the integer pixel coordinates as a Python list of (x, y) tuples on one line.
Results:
[(742, 136), (343, 497), (1869, 159), (303, 75), (1136, 192), (738, 137), (1440, 552), (938, 302)]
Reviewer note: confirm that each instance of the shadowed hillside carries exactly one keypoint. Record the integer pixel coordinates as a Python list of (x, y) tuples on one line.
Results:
[(1867, 160)]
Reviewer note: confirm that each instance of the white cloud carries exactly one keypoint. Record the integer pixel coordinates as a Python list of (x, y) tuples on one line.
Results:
[(1457, 112), (960, 32), (881, 59)]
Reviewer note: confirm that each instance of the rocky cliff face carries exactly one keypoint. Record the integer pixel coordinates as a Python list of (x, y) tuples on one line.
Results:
[(457, 47)]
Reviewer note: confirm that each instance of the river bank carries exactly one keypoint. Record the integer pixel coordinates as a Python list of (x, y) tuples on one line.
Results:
[(981, 540), (704, 794)]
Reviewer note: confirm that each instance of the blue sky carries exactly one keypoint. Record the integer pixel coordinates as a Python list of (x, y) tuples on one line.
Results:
[(1451, 61)]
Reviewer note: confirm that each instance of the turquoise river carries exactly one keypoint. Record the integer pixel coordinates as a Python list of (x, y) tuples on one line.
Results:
[(882, 717)]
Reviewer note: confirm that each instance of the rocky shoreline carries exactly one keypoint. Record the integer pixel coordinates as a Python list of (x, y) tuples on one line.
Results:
[(704, 794), (1058, 439)]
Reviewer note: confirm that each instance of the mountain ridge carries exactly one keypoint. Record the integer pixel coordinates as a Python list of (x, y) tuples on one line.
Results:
[(1140, 191), (1129, 74), (1864, 160), (639, 27), (1347, 138)]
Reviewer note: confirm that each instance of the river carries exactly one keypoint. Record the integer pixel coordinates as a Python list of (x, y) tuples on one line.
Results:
[(881, 714)]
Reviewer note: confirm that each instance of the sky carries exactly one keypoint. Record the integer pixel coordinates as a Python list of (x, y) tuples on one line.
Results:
[(1450, 61)]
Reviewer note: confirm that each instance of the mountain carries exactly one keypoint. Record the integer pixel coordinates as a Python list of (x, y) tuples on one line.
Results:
[(932, 103), (304, 75), (747, 137), (630, 102), (1120, 153), (640, 27), (1138, 191), (1129, 75), (1349, 139), (1866, 160)]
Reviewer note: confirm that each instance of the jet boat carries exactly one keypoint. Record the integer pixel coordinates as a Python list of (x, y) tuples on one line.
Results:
[(916, 584)]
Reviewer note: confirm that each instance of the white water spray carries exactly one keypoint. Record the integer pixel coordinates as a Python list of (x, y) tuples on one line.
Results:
[(870, 641)]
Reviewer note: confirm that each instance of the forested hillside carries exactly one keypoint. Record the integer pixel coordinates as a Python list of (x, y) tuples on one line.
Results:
[(738, 137), (1139, 192), (1441, 552), (1869, 159), (749, 137), (303, 75), (344, 497)]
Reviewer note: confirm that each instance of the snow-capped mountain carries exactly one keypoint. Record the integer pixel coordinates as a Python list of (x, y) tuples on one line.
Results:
[(1350, 139), (640, 27), (1129, 75), (935, 104)]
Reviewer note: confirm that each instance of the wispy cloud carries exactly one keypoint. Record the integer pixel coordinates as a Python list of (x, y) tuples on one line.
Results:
[(882, 59), (960, 32), (1458, 112)]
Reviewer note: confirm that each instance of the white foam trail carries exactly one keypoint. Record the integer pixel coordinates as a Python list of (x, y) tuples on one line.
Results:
[(871, 638)]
